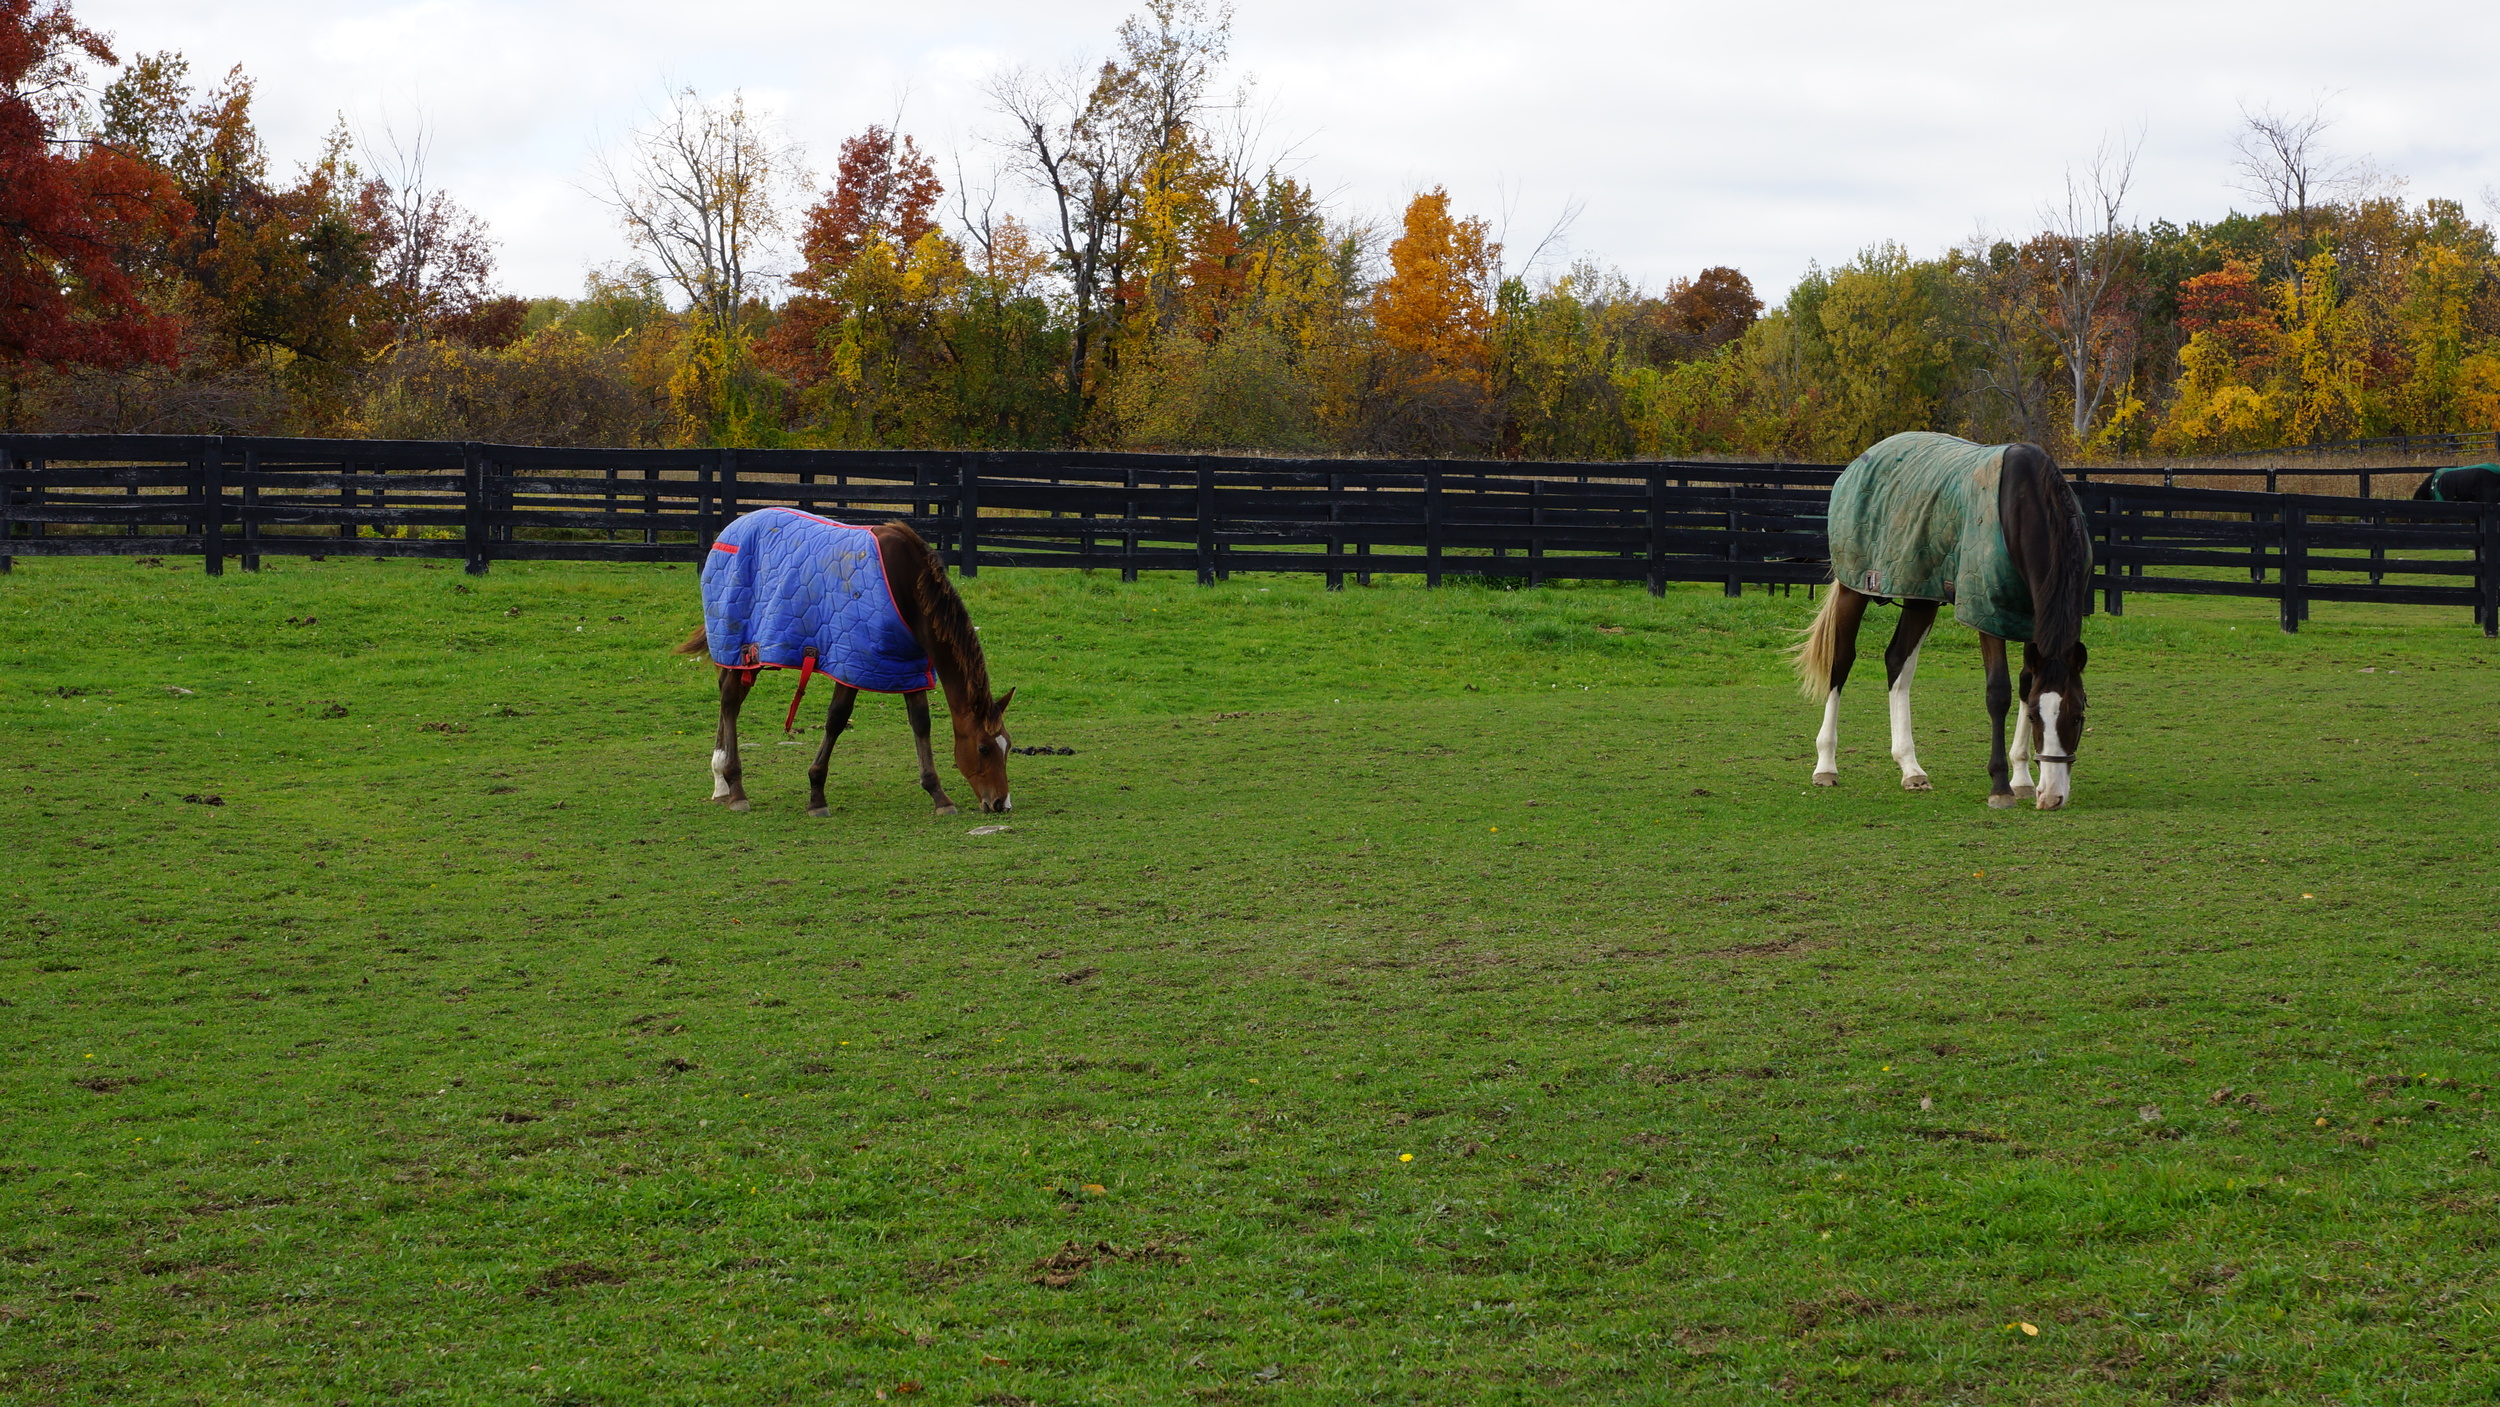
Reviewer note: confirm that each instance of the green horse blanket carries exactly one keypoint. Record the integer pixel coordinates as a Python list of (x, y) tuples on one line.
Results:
[(1915, 518)]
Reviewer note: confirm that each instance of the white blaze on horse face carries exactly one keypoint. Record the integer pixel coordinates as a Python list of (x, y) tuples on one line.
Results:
[(1827, 742), (720, 773), (2056, 778), (1904, 750)]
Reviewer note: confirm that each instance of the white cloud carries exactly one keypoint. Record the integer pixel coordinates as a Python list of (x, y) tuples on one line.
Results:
[(1761, 135)]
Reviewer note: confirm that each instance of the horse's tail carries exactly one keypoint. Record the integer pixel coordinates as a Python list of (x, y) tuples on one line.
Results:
[(696, 644), (1812, 654)]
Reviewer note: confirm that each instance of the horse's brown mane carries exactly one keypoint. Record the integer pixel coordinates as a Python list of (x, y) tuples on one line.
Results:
[(945, 627), (2056, 554)]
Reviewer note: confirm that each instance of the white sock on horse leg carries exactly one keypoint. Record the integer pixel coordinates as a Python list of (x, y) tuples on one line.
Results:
[(1904, 751), (1827, 742), (720, 773), (2020, 752)]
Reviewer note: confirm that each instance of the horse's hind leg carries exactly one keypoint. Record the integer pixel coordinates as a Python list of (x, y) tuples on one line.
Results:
[(2000, 697), (1848, 609), (1901, 667), (917, 705), (837, 718), (727, 775)]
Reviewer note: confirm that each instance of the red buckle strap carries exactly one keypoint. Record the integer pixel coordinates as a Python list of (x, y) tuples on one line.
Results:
[(807, 666)]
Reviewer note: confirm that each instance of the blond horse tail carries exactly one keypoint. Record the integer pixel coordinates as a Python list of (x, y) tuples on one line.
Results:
[(696, 644), (1812, 654)]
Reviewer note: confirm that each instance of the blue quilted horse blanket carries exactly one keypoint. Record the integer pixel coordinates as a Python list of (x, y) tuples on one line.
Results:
[(1915, 518), (780, 583)]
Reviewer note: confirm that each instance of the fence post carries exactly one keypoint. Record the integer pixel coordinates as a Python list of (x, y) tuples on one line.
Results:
[(725, 503), (1206, 520), (250, 515), (1735, 583), (1336, 540), (481, 542), (1128, 540), (213, 504), (1432, 527), (1657, 534), (8, 500), (2114, 592), (2295, 568), (968, 514), (1536, 535), (2487, 571)]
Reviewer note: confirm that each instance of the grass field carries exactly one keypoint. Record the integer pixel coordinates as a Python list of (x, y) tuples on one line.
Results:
[(1400, 996)]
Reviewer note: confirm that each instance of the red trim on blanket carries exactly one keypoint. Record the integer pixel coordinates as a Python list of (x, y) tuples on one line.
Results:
[(729, 547)]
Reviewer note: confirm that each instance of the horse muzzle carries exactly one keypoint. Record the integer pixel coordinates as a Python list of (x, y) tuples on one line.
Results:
[(2056, 785)]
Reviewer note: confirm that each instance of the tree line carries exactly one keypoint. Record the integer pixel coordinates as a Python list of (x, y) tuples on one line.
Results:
[(1131, 264)]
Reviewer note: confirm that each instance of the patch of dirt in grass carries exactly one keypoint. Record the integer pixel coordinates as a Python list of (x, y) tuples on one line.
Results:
[(1067, 1265), (573, 1275), (107, 1084)]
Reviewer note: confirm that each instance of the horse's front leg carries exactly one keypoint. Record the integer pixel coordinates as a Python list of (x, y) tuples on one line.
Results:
[(727, 775), (917, 705), (837, 718), (1900, 668), (2021, 754), (2000, 697)]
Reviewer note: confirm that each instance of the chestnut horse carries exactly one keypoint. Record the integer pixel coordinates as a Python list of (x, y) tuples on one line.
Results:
[(1924, 519), (888, 623)]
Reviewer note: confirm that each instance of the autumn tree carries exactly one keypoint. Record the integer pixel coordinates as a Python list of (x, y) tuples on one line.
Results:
[(75, 217), (883, 188), (435, 263), (1087, 140), (700, 191)]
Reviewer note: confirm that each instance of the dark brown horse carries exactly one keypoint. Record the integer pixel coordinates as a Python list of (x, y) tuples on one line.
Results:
[(1924, 519), (929, 609)]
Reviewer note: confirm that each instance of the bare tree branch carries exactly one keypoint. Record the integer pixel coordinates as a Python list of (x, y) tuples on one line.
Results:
[(702, 190), (2090, 250)]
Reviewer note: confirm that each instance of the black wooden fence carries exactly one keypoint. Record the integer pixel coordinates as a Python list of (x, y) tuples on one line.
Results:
[(1654, 521)]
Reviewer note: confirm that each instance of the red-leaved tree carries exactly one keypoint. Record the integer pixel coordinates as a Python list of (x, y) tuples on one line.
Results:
[(883, 188), (72, 215)]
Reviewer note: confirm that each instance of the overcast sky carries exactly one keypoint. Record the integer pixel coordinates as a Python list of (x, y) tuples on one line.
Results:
[(1763, 135)]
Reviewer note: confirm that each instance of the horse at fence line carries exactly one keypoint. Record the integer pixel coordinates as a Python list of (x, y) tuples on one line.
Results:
[(1925, 519), (868, 607), (2466, 483)]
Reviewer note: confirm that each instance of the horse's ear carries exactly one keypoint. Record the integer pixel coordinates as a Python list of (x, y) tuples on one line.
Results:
[(2081, 656), (998, 710)]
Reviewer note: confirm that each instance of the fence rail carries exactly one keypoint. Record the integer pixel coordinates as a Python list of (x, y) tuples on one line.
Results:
[(1653, 521)]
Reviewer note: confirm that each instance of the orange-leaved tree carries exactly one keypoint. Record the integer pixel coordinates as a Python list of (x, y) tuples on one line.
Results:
[(1436, 307)]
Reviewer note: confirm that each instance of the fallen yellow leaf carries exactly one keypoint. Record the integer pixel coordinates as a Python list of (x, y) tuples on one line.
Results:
[(2032, 1330), (1094, 1187)]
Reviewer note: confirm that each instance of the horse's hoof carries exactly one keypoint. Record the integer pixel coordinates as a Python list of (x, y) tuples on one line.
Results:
[(946, 810), (741, 804), (1827, 779), (2025, 793), (2003, 800), (820, 812), (1917, 783)]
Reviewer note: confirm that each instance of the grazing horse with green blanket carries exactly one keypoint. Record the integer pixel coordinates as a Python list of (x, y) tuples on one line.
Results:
[(1926, 519)]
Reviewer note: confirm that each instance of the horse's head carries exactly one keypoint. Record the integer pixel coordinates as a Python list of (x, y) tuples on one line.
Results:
[(2053, 702), (981, 748)]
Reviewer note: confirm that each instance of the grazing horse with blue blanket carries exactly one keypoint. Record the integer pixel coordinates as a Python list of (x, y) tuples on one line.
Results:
[(1925, 519), (870, 609)]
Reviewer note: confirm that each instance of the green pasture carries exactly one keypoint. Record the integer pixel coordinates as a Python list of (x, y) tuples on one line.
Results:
[(1399, 996)]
